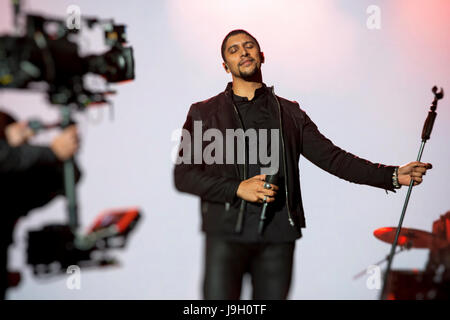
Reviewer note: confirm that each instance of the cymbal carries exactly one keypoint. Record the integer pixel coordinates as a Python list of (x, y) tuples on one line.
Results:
[(411, 238)]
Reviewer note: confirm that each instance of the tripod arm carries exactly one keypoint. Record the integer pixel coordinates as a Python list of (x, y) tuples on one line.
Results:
[(69, 177)]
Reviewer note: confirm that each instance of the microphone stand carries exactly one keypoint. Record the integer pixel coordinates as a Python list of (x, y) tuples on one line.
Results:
[(426, 132)]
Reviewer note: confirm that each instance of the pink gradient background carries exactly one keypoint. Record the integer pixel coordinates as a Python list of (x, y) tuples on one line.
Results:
[(367, 90)]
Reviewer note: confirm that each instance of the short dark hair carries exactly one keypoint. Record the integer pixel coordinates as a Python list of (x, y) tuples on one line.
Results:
[(232, 33)]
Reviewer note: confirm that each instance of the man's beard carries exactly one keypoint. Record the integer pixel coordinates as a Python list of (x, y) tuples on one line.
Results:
[(249, 75)]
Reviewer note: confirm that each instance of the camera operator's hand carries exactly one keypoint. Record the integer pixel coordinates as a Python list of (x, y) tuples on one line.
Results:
[(18, 133), (65, 145), (252, 190)]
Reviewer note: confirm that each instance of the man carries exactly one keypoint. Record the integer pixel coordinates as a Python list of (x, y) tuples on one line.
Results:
[(30, 176), (232, 195)]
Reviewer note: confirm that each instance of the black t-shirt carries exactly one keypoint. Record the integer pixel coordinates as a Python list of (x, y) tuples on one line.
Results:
[(258, 113)]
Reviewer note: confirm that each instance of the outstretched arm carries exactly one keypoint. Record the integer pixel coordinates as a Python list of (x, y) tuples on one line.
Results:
[(323, 153)]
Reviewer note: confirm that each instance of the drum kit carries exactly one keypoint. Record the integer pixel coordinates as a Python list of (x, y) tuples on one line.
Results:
[(431, 283)]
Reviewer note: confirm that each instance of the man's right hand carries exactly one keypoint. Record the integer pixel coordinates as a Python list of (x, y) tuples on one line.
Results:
[(252, 190), (65, 145)]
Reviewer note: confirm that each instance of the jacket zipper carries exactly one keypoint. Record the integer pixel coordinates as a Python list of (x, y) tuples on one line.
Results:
[(284, 160), (238, 227)]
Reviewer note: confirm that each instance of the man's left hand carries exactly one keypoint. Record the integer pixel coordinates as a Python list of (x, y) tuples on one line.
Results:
[(18, 133), (413, 170)]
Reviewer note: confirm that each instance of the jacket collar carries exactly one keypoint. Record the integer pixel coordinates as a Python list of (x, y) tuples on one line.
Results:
[(229, 89)]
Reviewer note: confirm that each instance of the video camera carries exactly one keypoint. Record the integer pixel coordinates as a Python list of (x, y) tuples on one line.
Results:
[(46, 53)]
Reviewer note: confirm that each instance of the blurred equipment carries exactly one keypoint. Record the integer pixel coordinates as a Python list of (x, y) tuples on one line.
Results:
[(434, 281), (410, 238), (37, 125), (46, 53), (411, 285), (54, 248)]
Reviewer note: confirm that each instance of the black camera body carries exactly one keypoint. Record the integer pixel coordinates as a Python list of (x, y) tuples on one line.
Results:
[(53, 244), (46, 53)]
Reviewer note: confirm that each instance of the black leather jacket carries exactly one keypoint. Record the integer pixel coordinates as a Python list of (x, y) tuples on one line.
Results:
[(216, 184)]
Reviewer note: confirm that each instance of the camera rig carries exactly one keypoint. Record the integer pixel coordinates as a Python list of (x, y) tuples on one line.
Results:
[(46, 53), (46, 56)]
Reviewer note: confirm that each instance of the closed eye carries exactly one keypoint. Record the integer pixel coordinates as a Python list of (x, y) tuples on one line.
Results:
[(247, 45), (232, 49)]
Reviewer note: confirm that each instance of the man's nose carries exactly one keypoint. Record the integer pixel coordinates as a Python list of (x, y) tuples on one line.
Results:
[(244, 52)]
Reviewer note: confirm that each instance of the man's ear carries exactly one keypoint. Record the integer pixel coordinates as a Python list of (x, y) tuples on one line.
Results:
[(261, 55), (225, 66)]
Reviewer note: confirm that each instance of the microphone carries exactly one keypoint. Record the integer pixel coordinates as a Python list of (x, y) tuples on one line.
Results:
[(272, 179), (429, 122)]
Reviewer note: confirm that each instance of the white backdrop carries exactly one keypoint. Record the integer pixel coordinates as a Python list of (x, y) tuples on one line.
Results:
[(367, 90)]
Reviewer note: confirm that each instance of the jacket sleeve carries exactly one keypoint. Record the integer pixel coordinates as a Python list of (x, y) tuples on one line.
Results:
[(323, 153), (192, 178), (24, 157)]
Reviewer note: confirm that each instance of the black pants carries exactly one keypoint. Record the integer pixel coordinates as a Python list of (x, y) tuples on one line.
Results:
[(270, 267)]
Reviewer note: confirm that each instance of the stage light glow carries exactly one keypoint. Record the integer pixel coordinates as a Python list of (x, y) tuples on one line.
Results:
[(306, 39)]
